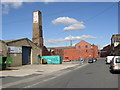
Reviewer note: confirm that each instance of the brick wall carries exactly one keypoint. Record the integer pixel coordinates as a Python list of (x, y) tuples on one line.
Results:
[(82, 50)]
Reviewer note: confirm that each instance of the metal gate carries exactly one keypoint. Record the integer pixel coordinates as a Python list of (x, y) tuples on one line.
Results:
[(26, 54)]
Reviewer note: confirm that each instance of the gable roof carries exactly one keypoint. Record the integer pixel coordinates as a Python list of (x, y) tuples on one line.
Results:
[(66, 47), (2, 41), (81, 42), (16, 40)]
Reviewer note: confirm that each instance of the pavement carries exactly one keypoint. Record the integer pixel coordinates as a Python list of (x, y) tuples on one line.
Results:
[(42, 69)]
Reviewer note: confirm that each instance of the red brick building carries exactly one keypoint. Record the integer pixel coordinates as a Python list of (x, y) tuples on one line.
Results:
[(82, 50), (58, 50)]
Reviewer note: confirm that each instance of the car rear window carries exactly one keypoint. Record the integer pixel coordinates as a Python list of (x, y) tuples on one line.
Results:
[(117, 60)]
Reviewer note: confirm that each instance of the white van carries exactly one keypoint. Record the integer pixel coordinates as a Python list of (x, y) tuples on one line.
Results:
[(109, 59), (115, 64)]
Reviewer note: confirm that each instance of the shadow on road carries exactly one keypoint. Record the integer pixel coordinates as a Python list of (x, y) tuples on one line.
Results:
[(114, 72)]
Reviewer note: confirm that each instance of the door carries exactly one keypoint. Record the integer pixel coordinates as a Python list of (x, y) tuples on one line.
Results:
[(26, 54)]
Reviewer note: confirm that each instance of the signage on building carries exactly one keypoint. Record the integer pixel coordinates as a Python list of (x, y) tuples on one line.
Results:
[(35, 17), (12, 49), (1, 52)]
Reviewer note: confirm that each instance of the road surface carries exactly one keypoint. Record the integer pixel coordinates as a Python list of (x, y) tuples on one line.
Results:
[(94, 75)]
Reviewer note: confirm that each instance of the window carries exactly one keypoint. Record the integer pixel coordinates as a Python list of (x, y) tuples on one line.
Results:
[(86, 46), (79, 46), (86, 51), (117, 60)]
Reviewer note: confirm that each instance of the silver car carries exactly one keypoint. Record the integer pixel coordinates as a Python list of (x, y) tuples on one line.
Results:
[(115, 64)]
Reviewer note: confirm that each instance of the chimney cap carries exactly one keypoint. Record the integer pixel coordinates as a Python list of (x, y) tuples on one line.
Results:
[(37, 11)]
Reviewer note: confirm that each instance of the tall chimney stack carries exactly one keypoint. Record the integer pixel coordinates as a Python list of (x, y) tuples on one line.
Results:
[(37, 29)]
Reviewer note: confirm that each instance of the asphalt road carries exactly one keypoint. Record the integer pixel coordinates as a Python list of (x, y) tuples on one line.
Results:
[(94, 75)]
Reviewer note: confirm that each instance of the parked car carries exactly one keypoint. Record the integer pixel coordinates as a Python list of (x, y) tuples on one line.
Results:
[(66, 60), (90, 60), (82, 60), (94, 59), (109, 59), (115, 64)]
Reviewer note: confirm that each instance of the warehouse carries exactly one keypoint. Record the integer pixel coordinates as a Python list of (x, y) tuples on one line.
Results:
[(82, 50), (3, 49), (23, 51)]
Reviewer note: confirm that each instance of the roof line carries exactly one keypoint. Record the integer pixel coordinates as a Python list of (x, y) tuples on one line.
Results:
[(15, 40), (19, 40)]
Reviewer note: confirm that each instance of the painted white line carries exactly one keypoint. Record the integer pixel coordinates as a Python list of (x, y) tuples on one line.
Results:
[(39, 82), (49, 79), (32, 85), (37, 77), (70, 70), (21, 81), (81, 66), (53, 77)]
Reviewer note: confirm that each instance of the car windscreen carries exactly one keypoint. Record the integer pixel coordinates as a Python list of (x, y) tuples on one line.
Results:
[(117, 60)]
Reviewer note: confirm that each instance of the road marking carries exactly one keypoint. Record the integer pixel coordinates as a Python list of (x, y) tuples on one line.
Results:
[(49, 79), (39, 82), (37, 77), (53, 77), (81, 66), (59, 74), (21, 81), (32, 85)]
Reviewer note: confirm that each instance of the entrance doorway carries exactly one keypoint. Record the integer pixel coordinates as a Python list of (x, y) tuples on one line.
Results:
[(26, 55)]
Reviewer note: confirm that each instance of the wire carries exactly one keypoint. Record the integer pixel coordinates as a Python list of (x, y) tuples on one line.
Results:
[(101, 12)]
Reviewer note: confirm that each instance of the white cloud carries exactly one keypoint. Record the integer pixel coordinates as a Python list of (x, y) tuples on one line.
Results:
[(73, 23), (54, 41), (65, 21), (16, 4), (74, 38), (77, 26), (83, 37), (6, 6)]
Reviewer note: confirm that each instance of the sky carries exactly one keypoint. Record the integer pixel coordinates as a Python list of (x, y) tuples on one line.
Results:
[(94, 22)]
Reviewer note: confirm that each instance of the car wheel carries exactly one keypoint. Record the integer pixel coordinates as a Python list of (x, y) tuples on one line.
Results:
[(112, 71)]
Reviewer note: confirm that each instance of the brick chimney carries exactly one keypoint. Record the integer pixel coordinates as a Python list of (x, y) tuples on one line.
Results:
[(37, 29)]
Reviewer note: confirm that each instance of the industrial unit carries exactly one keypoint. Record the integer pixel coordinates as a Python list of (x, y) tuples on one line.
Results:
[(23, 51)]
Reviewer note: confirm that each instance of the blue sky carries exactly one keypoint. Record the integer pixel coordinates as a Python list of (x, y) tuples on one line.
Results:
[(99, 18)]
